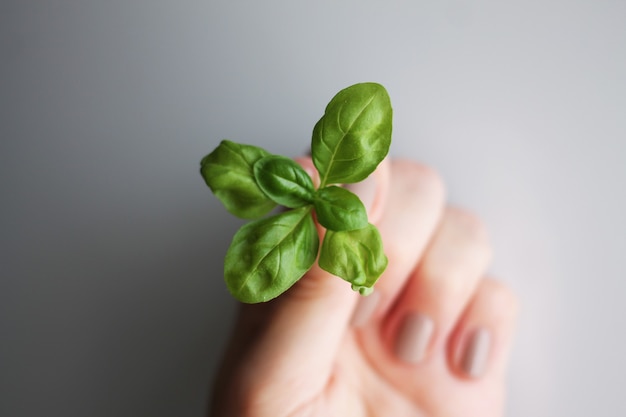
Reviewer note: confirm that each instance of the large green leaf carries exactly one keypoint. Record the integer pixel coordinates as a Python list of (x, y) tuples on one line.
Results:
[(267, 256), (354, 134), (228, 171), (356, 256), (284, 181)]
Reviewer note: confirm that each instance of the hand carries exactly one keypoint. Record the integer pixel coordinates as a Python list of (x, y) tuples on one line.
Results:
[(432, 340)]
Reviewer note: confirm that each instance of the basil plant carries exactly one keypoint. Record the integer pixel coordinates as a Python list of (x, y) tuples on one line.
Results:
[(272, 252)]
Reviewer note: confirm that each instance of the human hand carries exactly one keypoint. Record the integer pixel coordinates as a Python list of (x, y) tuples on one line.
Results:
[(432, 340)]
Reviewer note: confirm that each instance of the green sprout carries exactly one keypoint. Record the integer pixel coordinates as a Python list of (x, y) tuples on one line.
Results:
[(270, 254)]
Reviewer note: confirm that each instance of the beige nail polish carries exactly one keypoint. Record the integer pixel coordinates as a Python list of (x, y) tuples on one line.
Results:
[(476, 353), (365, 309), (414, 337), (366, 190)]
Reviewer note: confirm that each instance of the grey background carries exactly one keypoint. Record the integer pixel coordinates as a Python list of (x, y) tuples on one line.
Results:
[(111, 298)]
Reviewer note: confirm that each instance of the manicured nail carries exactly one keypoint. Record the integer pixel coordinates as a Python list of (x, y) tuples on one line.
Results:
[(476, 353), (366, 190), (365, 309), (413, 337)]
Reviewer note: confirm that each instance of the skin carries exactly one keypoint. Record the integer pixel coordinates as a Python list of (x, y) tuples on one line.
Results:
[(302, 354)]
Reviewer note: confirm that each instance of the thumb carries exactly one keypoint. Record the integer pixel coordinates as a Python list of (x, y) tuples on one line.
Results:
[(293, 357)]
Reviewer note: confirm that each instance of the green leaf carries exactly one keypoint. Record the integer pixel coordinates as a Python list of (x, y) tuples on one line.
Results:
[(268, 256), (354, 134), (284, 181), (356, 256), (228, 172), (339, 209)]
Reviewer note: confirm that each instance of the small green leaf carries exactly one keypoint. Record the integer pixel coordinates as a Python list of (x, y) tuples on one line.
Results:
[(356, 256), (354, 134), (267, 256), (284, 181), (228, 172), (339, 209)]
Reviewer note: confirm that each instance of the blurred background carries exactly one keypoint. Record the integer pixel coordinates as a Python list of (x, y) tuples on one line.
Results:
[(111, 294)]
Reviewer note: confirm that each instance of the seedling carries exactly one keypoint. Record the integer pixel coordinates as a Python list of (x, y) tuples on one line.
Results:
[(270, 254)]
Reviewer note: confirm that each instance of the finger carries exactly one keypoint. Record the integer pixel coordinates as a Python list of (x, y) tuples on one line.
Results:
[(414, 203), (439, 288), (482, 341), (304, 327)]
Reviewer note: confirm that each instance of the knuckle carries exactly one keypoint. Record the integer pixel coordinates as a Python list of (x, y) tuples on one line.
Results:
[(501, 295), (469, 224), (459, 253), (414, 207), (424, 181)]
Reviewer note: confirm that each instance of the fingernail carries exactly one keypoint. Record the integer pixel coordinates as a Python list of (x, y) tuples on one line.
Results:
[(365, 309), (413, 337), (476, 353), (366, 190)]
